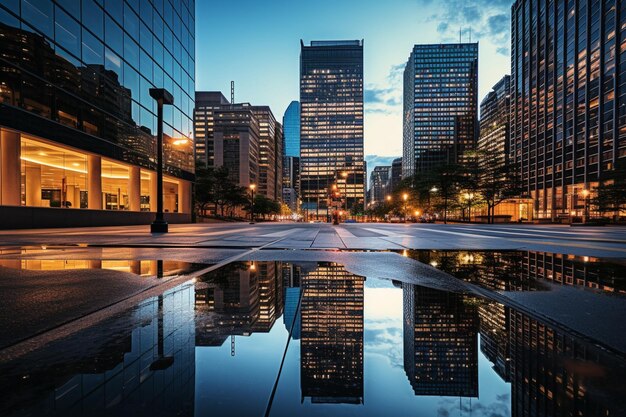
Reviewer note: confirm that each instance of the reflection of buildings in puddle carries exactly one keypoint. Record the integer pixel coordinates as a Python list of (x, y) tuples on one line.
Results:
[(112, 370), (238, 299), (440, 342), (526, 270), (291, 294), (157, 268), (551, 372), (331, 346), (556, 374)]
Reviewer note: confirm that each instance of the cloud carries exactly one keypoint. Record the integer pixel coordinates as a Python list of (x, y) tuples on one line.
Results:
[(376, 95), (388, 99), (485, 19)]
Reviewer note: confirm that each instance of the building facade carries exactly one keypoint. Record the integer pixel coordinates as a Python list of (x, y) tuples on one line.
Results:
[(440, 106), (568, 99), (203, 124), (494, 136), (396, 173), (246, 139), (291, 126), (77, 121), (380, 184), (236, 138), (291, 182), (331, 119)]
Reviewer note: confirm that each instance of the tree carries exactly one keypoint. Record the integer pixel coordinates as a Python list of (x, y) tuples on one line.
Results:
[(446, 179), (214, 186), (496, 181), (611, 191), (264, 206)]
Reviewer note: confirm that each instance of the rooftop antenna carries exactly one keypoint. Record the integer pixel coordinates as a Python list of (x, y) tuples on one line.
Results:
[(460, 34), (470, 35), (232, 93)]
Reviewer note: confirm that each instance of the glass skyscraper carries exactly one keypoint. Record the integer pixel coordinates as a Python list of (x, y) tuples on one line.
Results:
[(331, 99), (494, 121), (77, 121), (568, 99), (291, 124), (440, 106)]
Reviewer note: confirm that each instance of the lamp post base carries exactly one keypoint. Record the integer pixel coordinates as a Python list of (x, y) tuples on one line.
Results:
[(159, 226)]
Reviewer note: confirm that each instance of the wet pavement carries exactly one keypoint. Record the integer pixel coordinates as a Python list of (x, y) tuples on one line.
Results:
[(312, 332)]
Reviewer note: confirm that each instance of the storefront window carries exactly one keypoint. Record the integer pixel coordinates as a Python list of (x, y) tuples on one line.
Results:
[(115, 179), (52, 176)]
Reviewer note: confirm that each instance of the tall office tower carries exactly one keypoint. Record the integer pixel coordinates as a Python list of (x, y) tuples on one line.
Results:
[(331, 358), (331, 124), (291, 182), (380, 183), (494, 122), (270, 152), (440, 106), (440, 342), (291, 125), (396, 173), (236, 138), (206, 103), (568, 100)]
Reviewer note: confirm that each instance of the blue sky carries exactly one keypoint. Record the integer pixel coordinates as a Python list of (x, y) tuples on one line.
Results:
[(256, 43)]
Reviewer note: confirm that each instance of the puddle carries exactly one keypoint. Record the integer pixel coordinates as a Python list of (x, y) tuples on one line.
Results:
[(284, 339), (526, 270)]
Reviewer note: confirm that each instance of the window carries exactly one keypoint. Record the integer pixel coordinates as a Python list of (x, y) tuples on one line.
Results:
[(38, 13), (67, 32), (113, 35), (93, 18), (93, 49), (131, 51)]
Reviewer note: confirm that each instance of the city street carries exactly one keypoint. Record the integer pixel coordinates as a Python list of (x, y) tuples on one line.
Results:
[(583, 241)]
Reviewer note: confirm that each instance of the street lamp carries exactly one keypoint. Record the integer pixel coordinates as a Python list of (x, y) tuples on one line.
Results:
[(162, 97), (252, 188), (405, 197)]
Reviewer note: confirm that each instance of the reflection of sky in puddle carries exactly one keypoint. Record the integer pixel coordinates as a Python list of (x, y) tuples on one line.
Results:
[(213, 372)]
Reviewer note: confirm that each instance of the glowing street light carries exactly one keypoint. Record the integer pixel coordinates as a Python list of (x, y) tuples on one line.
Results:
[(252, 188)]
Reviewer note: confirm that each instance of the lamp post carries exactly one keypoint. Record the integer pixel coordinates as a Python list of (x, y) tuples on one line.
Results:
[(405, 197), (162, 97), (252, 188)]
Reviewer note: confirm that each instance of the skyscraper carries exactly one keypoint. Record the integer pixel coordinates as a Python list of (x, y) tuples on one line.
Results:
[(494, 122), (396, 173), (331, 117), (380, 183), (77, 121), (440, 106), (206, 104), (568, 99), (291, 125)]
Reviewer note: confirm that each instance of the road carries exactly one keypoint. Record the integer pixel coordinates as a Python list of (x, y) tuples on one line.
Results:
[(583, 241)]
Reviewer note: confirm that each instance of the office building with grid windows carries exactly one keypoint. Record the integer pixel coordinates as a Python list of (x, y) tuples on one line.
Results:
[(78, 125), (440, 123), (331, 125), (568, 100)]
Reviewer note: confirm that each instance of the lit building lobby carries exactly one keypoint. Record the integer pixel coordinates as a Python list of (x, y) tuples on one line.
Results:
[(47, 177)]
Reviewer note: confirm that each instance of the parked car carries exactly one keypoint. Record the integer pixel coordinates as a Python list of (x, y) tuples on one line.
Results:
[(350, 221)]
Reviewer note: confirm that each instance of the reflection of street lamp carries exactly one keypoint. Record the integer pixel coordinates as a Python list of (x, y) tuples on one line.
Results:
[(252, 188), (162, 97), (585, 193)]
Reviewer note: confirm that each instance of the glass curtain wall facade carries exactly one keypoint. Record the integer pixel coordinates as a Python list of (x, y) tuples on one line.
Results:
[(77, 122), (291, 124), (440, 106), (568, 99), (331, 124), (494, 122), (380, 184)]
